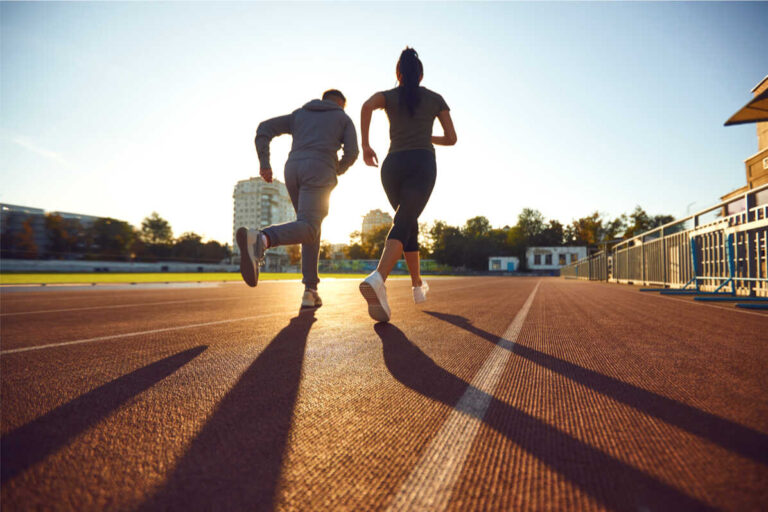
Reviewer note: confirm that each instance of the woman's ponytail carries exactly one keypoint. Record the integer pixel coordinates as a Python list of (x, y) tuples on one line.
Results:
[(411, 71)]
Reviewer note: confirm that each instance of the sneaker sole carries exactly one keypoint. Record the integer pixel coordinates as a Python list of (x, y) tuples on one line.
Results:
[(248, 270), (375, 309)]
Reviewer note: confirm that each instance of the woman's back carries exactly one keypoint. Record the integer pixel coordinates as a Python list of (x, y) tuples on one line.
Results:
[(408, 131)]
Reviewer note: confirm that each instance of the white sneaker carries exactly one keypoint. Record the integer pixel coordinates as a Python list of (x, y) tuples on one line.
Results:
[(420, 292), (311, 299), (251, 246), (375, 293)]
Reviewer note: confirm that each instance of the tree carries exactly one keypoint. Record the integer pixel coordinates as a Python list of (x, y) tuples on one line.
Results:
[(640, 222), (112, 238), (188, 246), (26, 246), (447, 244), (156, 230), (552, 235), (477, 227), (613, 229), (355, 250), (594, 229), (325, 250), (425, 240), (294, 253), (157, 236), (373, 243), (214, 252), (469, 246), (587, 230), (62, 235), (531, 223), (479, 244)]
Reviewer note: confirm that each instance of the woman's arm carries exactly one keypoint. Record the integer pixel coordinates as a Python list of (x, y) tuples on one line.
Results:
[(449, 133), (374, 102)]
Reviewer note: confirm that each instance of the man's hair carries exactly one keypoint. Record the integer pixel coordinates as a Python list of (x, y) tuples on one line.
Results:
[(334, 92)]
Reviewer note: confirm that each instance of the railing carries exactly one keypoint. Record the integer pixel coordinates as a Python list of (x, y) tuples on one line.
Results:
[(706, 251), (594, 268)]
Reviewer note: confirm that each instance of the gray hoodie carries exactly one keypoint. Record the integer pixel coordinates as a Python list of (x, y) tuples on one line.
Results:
[(319, 129)]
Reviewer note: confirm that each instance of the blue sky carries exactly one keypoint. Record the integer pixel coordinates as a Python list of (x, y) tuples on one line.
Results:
[(119, 109)]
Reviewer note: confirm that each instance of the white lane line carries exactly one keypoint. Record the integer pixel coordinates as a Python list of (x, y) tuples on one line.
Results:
[(430, 484), (114, 306), (139, 333)]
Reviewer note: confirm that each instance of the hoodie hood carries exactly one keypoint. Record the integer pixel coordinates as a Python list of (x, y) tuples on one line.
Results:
[(321, 105)]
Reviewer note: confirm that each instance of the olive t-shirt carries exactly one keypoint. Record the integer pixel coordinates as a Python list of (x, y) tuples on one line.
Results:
[(412, 132)]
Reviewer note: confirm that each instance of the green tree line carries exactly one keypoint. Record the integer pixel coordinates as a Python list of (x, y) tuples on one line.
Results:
[(469, 246), (111, 240)]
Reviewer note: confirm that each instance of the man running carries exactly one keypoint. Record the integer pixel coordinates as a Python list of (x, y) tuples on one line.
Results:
[(319, 129)]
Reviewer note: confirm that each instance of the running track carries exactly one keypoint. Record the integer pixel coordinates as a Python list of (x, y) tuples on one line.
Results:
[(497, 394)]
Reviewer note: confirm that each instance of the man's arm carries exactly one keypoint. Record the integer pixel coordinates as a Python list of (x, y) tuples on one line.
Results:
[(266, 131), (349, 143)]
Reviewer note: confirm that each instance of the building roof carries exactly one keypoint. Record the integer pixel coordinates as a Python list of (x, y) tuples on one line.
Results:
[(761, 82), (23, 209), (755, 111)]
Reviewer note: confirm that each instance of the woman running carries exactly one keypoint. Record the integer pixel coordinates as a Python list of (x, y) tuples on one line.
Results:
[(407, 174)]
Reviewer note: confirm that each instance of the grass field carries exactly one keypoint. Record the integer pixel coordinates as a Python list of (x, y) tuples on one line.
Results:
[(153, 278)]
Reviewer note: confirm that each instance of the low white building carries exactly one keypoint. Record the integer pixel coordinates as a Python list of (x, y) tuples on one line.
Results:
[(553, 258), (503, 264)]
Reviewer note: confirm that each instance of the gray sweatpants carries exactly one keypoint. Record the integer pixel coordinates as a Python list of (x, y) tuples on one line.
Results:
[(309, 183)]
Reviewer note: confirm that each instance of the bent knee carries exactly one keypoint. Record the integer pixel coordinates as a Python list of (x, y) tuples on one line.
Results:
[(313, 227)]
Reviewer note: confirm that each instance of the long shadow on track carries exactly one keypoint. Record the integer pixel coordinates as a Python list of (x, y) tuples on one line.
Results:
[(736, 438), (31, 443), (608, 480), (235, 461)]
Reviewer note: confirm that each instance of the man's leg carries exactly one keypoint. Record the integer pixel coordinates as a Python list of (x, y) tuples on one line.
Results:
[(313, 208), (297, 231), (309, 184)]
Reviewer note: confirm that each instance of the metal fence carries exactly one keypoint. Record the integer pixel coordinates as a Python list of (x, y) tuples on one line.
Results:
[(721, 249)]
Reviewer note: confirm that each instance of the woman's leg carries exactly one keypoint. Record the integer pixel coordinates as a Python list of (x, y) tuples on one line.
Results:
[(414, 267), (391, 180), (408, 179), (393, 249)]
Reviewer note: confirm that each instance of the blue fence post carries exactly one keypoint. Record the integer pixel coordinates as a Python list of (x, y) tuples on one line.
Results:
[(731, 263), (695, 261)]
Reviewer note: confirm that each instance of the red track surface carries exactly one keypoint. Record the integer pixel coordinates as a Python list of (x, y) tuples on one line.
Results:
[(225, 398)]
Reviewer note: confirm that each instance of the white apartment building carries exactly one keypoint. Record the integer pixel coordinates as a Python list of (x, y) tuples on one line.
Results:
[(258, 204), (553, 258), (374, 220)]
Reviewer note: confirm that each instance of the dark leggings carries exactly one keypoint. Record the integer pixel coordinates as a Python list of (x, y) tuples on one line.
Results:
[(408, 178)]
